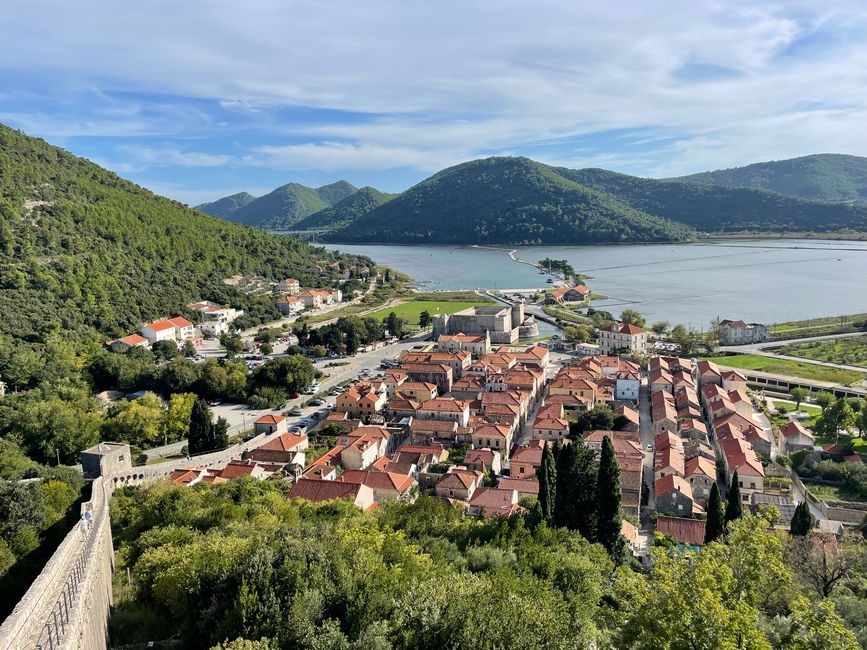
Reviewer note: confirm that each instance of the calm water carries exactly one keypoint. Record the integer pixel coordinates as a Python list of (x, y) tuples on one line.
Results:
[(759, 280)]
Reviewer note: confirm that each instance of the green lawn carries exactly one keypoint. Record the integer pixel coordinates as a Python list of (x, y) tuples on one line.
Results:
[(833, 492), (850, 351), (411, 310), (790, 368)]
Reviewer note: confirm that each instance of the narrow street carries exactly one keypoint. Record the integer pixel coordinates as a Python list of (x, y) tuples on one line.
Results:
[(645, 429)]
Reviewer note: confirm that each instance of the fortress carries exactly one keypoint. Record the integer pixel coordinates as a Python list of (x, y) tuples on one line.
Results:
[(503, 323)]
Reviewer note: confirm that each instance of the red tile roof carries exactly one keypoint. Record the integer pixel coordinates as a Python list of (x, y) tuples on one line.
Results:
[(685, 531), (317, 490)]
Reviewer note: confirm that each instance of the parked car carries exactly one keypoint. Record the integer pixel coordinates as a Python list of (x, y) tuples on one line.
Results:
[(317, 402), (294, 396), (295, 412)]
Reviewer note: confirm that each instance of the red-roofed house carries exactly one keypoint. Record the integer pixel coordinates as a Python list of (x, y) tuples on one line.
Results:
[(686, 531), (317, 491), (485, 459), (493, 502), (386, 486), (285, 448), (674, 495), (268, 424)]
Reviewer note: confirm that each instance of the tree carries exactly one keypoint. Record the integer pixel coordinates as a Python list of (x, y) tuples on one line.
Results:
[(660, 327), (139, 422), (715, 525), (632, 317), (232, 344), (201, 425), (424, 319), (824, 399), (683, 337), (734, 508), (188, 349), (547, 484), (319, 351), (575, 497), (821, 562), (387, 275), (861, 420), (165, 350), (835, 418), (395, 325), (608, 515), (798, 395), (599, 418), (177, 419), (266, 348), (220, 434), (802, 520)]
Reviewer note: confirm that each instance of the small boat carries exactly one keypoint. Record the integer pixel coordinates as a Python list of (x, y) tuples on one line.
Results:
[(550, 280)]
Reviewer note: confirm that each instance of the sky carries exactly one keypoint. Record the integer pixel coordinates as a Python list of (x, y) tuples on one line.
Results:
[(200, 99)]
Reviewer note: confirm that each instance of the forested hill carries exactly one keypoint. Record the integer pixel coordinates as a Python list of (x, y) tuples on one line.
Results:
[(226, 206), (823, 177), (717, 208), (507, 201), (280, 209), (84, 251), (346, 211)]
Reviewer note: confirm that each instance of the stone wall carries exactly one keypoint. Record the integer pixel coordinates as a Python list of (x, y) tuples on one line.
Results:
[(68, 604)]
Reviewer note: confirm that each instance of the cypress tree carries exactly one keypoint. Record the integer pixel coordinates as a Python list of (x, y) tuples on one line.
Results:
[(564, 490), (608, 515), (584, 475), (716, 524), (200, 433), (734, 509), (220, 434), (802, 521), (547, 484)]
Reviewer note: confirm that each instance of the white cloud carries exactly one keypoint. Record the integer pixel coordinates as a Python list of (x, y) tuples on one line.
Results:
[(457, 79), (171, 156)]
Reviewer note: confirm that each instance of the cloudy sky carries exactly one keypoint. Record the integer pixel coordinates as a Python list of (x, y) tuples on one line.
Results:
[(198, 99)]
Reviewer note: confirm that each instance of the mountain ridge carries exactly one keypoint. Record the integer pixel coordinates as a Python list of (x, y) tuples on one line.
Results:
[(831, 177)]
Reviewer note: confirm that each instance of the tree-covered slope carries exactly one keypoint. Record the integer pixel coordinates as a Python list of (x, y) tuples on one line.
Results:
[(280, 209), (823, 177), (507, 201), (713, 208), (346, 211), (226, 206), (84, 251)]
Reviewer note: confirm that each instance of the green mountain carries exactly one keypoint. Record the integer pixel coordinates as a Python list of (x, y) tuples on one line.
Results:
[(83, 251), (717, 208), (226, 206), (507, 201), (822, 177), (282, 208), (346, 211)]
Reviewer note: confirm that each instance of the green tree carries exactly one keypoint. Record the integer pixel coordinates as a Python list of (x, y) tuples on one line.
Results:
[(188, 349), (139, 422), (220, 434), (734, 508), (395, 325), (837, 417), (200, 435), (802, 520), (824, 399), (609, 517), (547, 484), (319, 351), (798, 395), (424, 319), (232, 344), (165, 350), (177, 419), (266, 348), (660, 327), (632, 317), (715, 526), (683, 337)]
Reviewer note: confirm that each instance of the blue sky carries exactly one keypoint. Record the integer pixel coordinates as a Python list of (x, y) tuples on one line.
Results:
[(197, 100)]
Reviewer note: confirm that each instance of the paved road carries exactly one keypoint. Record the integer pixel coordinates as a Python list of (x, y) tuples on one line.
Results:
[(645, 428)]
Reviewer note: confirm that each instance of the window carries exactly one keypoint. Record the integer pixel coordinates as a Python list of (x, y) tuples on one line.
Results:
[(521, 470), (120, 458), (752, 486)]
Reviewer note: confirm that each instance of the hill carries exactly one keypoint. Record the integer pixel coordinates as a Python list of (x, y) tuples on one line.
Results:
[(281, 208), (507, 201), (83, 251), (717, 208), (346, 211), (822, 177), (226, 206)]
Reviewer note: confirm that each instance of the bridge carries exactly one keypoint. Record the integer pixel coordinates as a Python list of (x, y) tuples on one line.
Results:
[(68, 605)]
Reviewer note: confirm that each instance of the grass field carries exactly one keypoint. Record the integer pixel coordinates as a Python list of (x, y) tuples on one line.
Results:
[(411, 310), (834, 492), (790, 368), (851, 351), (817, 325)]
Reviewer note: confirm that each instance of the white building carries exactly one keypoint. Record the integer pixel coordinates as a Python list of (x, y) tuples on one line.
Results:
[(737, 332), (215, 318), (622, 336), (626, 386), (160, 330)]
